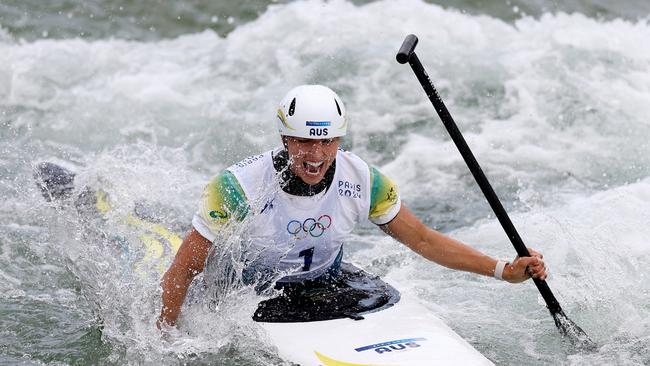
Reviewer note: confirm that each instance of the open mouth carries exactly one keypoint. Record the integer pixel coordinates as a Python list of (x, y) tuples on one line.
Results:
[(312, 168)]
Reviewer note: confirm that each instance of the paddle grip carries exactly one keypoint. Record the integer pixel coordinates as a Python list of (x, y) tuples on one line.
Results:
[(407, 49)]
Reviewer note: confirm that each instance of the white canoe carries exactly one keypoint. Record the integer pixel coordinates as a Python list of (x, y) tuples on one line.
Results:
[(406, 333)]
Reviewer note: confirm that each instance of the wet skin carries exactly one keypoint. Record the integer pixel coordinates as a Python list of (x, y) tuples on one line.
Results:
[(310, 158)]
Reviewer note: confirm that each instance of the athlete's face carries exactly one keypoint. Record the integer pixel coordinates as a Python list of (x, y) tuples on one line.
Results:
[(310, 158)]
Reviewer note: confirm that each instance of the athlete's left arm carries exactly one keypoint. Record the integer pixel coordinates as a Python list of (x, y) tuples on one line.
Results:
[(409, 230)]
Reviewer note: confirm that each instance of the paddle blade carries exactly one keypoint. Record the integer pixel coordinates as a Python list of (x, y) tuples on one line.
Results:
[(576, 335)]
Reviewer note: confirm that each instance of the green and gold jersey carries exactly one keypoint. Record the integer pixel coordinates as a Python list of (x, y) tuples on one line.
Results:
[(225, 198), (384, 198)]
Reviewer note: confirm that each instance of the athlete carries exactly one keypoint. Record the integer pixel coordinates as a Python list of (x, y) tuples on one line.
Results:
[(302, 200)]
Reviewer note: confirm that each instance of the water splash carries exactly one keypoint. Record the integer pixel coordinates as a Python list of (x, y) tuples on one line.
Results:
[(571, 330)]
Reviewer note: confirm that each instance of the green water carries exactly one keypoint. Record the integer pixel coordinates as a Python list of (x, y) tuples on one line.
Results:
[(150, 99), (155, 19)]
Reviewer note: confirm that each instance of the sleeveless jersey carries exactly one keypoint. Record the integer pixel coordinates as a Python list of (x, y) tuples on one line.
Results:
[(301, 236)]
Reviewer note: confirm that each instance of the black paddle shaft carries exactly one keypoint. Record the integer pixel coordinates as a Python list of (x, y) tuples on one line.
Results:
[(565, 325), (407, 54)]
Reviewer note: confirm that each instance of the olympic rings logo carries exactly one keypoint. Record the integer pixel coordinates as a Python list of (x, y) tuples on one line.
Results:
[(310, 226)]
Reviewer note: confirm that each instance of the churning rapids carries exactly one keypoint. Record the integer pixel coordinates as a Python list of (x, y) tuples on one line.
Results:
[(555, 107)]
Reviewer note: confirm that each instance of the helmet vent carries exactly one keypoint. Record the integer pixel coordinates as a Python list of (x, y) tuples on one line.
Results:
[(337, 107), (292, 107)]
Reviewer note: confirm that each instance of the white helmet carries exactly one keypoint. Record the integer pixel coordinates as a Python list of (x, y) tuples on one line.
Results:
[(313, 112)]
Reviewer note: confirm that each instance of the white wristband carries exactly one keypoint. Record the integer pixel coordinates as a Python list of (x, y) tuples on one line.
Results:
[(498, 270)]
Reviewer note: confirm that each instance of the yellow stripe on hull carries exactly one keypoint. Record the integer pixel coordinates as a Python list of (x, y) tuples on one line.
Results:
[(154, 248), (332, 362), (154, 251), (173, 239)]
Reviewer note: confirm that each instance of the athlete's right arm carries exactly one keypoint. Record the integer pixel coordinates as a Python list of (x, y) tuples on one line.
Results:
[(189, 262), (223, 200)]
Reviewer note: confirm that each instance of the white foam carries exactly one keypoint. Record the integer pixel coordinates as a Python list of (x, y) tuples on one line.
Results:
[(596, 249), (552, 81), (554, 108), (4, 35)]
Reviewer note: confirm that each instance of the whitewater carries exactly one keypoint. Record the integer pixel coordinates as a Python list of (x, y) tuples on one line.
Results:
[(555, 107)]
